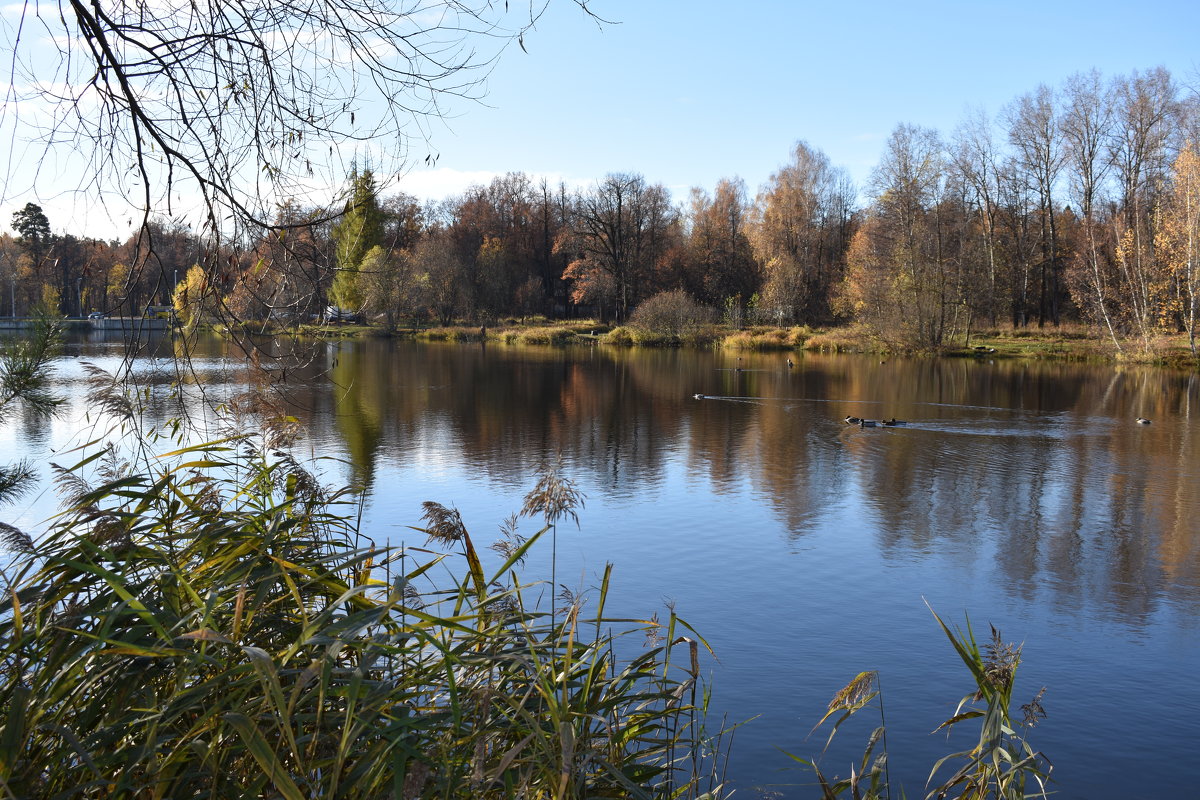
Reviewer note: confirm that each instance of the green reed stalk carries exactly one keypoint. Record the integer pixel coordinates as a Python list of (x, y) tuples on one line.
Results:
[(210, 629)]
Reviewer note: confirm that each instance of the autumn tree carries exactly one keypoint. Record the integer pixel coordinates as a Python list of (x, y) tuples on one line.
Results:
[(975, 155), (1140, 149), (1033, 131), (552, 207), (800, 230), (1178, 240), (298, 257), (720, 260), (153, 261), (391, 286), (901, 279), (10, 255), (438, 272), (196, 299), (492, 227), (620, 230), (1087, 123), (403, 221)]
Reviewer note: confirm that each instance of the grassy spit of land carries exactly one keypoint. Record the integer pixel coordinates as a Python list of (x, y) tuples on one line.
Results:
[(1064, 342)]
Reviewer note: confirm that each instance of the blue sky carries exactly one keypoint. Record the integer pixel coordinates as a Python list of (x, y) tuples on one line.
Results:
[(688, 92)]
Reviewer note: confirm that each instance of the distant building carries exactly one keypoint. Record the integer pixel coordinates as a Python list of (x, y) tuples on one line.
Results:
[(159, 312)]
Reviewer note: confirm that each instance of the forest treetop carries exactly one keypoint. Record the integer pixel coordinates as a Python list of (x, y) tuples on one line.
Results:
[(1079, 203)]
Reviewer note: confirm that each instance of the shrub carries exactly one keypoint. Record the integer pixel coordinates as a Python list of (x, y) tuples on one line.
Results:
[(544, 335), (672, 313), (621, 336)]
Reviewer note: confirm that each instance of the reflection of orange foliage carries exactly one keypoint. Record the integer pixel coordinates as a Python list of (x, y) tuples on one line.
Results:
[(1112, 513)]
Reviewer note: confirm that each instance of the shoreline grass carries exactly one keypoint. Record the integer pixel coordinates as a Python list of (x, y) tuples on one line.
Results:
[(1064, 343)]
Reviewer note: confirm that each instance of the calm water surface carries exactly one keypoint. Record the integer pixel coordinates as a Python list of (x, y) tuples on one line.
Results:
[(805, 550)]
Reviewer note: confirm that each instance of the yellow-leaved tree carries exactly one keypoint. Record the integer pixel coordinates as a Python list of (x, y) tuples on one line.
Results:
[(1177, 238), (194, 298)]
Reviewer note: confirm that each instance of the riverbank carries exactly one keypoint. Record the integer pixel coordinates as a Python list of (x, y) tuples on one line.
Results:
[(1067, 342)]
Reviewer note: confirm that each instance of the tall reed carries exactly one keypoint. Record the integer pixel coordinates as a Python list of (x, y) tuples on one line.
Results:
[(1001, 765), (208, 628)]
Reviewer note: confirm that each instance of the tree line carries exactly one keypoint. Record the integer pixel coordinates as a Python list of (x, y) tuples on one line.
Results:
[(1074, 204)]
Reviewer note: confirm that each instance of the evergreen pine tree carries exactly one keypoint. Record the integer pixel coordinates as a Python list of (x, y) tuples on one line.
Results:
[(359, 229)]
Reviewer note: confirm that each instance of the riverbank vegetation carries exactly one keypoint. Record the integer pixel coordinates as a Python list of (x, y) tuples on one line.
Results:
[(1000, 764), (1074, 208), (212, 623)]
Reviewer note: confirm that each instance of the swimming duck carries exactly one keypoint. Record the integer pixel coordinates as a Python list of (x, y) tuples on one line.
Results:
[(867, 423), (893, 422), (853, 421), (698, 397), (1143, 421)]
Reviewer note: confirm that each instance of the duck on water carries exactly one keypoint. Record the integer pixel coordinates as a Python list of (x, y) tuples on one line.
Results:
[(870, 423)]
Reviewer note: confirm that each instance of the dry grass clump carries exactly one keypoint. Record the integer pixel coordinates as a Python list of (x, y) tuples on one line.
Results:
[(766, 339), (621, 336), (702, 336), (547, 335), (455, 333), (843, 340)]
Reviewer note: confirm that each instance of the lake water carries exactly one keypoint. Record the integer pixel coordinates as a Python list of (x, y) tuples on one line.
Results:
[(1022, 494)]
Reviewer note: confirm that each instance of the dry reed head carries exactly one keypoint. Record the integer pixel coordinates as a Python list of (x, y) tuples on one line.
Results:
[(554, 497), (855, 692), (107, 394), (1000, 663), (444, 525), (13, 538), (510, 541), (1033, 710), (15, 480)]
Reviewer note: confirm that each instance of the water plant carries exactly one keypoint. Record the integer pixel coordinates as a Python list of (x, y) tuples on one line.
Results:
[(1000, 766), (212, 623), (554, 497)]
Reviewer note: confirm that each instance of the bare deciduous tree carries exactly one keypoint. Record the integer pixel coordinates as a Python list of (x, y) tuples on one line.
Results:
[(246, 104), (1033, 130), (1087, 126)]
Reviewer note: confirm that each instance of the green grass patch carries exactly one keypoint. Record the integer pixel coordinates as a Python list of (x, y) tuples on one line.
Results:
[(456, 333)]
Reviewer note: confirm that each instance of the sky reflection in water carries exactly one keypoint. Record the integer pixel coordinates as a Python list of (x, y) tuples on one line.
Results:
[(1020, 493)]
